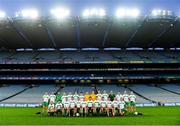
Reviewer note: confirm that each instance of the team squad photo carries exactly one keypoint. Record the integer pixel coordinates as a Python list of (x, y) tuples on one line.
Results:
[(89, 104)]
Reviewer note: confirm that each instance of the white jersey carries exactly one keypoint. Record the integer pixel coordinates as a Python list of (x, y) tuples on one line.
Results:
[(126, 97), (66, 104), (109, 104), (59, 106), (132, 98), (119, 97), (78, 104), (121, 104), (90, 103), (72, 104), (103, 104), (45, 98), (69, 97), (52, 98), (99, 97), (97, 103), (75, 97), (105, 96), (115, 104), (81, 97), (64, 97), (51, 107), (84, 104)]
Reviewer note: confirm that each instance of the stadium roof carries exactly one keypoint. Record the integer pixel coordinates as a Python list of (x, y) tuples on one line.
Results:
[(91, 32)]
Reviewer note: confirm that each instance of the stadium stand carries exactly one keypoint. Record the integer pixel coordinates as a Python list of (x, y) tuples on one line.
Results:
[(33, 95), (90, 56), (155, 93), (171, 87), (7, 91)]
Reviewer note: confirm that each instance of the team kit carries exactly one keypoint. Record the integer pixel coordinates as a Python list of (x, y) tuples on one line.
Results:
[(89, 104)]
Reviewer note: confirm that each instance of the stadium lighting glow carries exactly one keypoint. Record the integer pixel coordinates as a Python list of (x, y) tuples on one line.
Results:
[(60, 13), (32, 13), (120, 13), (161, 13), (2, 14), (94, 12)]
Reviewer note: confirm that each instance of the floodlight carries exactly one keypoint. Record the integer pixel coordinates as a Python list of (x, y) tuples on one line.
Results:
[(127, 13), (135, 13), (161, 13), (2, 14), (60, 13), (164, 12), (154, 13), (121, 13), (29, 13), (102, 12), (86, 13), (94, 12)]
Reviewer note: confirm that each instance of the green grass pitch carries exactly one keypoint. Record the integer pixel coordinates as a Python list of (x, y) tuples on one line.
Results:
[(151, 116)]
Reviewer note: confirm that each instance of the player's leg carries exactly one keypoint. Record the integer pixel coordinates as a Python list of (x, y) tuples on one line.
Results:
[(113, 111), (81, 111), (85, 111), (108, 112)]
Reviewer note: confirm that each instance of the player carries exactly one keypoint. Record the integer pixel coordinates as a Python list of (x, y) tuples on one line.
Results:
[(119, 96), (76, 96), (59, 108), (115, 106), (86, 96), (84, 108), (58, 98), (90, 105), (111, 96), (99, 95), (79, 107), (72, 107), (52, 98), (121, 106), (66, 105), (132, 99), (81, 97), (93, 96), (103, 106), (109, 107), (96, 107), (126, 100), (105, 95), (64, 97), (45, 101), (69, 97), (51, 109)]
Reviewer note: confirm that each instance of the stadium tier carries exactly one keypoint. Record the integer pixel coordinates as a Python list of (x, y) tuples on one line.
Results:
[(34, 94), (90, 57)]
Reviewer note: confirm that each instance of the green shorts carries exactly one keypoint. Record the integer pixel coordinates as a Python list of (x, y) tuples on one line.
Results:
[(132, 103), (45, 104), (127, 104)]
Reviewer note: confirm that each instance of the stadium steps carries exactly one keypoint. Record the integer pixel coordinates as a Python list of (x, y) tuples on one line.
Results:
[(16, 93), (168, 90), (140, 95)]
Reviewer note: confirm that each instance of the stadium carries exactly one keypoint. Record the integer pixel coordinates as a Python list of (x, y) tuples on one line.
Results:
[(128, 53)]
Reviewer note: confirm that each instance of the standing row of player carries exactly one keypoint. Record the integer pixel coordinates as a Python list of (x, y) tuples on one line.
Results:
[(90, 103)]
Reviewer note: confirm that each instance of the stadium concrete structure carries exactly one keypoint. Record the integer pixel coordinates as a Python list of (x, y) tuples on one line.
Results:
[(83, 53)]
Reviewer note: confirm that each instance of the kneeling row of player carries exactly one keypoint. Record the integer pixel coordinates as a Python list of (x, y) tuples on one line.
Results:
[(84, 108)]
